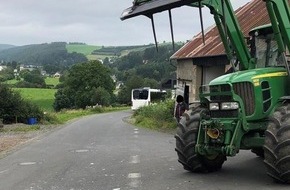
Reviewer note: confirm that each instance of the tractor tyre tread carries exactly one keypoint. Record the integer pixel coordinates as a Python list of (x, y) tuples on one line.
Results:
[(277, 145)]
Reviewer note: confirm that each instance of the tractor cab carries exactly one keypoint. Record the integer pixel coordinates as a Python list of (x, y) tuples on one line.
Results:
[(264, 47)]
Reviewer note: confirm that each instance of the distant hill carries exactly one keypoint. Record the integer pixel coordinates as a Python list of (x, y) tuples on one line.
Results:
[(101, 52), (64, 54), (5, 46), (118, 50), (42, 54)]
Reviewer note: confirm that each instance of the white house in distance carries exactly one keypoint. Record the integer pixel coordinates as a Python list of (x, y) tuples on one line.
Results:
[(56, 75), (2, 67)]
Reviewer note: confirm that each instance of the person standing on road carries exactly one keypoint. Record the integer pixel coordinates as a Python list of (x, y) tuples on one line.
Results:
[(180, 108)]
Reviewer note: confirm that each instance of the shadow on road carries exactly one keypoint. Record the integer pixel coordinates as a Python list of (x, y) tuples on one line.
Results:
[(244, 171)]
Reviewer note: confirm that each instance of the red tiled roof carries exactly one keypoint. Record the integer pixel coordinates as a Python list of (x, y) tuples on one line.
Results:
[(251, 15)]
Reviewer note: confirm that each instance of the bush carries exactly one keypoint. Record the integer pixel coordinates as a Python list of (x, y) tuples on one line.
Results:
[(61, 100), (163, 110), (14, 109), (101, 96), (157, 115)]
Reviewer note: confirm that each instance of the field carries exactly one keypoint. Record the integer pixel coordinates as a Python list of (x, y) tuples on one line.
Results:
[(14, 81), (51, 81), (44, 98), (48, 81), (84, 49)]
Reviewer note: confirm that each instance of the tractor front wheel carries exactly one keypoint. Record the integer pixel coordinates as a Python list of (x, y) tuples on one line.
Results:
[(186, 138), (277, 145)]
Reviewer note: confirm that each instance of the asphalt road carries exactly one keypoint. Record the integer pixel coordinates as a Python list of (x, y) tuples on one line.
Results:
[(102, 152)]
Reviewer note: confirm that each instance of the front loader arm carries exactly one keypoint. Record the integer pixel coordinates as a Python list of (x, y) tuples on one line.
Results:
[(280, 19), (150, 7), (224, 17)]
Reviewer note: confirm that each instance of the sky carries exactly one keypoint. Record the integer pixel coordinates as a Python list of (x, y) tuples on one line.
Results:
[(94, 22)]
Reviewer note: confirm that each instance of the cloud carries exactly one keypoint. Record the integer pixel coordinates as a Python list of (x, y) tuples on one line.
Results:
[(90, 21)]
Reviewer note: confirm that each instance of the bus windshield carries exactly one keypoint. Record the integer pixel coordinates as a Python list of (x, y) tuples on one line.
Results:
[(140, 94), (146, 96)]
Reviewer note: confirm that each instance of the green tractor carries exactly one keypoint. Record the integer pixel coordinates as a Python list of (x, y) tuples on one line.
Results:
[(244, 110), (248, 109)]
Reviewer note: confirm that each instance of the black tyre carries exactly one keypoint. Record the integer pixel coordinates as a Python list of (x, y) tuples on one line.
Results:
[(186, 137), (277, 145)]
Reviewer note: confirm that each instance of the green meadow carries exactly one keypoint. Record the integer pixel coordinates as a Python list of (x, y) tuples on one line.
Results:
[(51, 81), (84, 49), (48, 81), (44, 98)]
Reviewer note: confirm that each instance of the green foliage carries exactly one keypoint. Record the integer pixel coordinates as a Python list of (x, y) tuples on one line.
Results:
[(81, 48), (147, 64), (80, 84), (14, 109), (124, 95), (50, 81), (31, 79), (21, 128), (34, 78), (54, 54), (6, 74), (11, 82), (101, 97), (156, 116), (61, 100), (147, 68), (148, 82), (5, 46), (43, 98)]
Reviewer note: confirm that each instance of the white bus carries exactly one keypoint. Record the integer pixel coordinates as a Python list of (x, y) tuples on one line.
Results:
[(146, 96)]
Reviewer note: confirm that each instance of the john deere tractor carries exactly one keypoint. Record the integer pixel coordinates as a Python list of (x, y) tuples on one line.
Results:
[(248, 109)]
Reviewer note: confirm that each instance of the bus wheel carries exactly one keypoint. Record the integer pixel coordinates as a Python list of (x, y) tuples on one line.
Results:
[(186, 137)]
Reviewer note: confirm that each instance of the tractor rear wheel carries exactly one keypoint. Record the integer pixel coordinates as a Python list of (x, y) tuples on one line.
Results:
[(277, 145), (186, 138)]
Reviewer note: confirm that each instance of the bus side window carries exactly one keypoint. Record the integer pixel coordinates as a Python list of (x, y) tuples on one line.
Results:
[(158, 96), (144, 95)]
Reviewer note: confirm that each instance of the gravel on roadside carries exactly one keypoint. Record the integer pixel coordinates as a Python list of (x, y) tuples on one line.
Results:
[(11, 140)]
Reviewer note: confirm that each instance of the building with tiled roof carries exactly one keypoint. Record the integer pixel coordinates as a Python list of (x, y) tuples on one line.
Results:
[(199, 63)]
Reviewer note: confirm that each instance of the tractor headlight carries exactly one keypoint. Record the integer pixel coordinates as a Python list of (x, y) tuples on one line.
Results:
[(229, 105), (214, 106)]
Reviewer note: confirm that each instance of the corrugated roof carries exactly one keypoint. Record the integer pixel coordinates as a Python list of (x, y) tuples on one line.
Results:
[(251, 15)]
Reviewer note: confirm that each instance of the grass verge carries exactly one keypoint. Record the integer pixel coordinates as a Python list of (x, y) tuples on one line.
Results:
[(158, 117), (20, 128)]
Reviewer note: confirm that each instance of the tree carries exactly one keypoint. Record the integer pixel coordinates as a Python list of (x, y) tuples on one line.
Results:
[(14, 109), (81, 85), (6, 74), (106, 61), (101, 97), (32, 79), (151, 83), (61, 100), (124, 95)]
